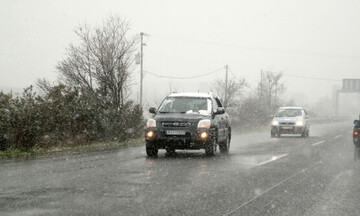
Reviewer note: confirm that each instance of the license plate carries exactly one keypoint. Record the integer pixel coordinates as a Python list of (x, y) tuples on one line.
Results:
[(175, 132), (286, 127)]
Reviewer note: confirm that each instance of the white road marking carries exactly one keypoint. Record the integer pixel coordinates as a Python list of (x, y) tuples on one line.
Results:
[(274, 186), (338, 136), (274, 158), (314, 144)]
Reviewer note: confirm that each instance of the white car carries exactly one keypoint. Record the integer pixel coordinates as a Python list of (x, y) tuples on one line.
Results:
[(290, 120)]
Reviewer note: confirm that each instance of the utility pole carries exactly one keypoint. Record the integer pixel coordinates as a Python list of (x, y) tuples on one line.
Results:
[(141, 67), (226, 84)]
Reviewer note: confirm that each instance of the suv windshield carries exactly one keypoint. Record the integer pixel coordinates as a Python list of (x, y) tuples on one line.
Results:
[(186, 105), (288, 113)]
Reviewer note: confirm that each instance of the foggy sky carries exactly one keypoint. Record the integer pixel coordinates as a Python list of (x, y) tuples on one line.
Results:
[(318, 39)]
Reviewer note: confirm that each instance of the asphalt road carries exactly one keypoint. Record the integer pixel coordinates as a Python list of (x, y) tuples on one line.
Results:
[(260, 176)]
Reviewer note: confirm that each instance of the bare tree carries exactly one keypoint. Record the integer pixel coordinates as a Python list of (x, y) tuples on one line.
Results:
[(229, 96), (101, 62), (270, 88), (43, 84)]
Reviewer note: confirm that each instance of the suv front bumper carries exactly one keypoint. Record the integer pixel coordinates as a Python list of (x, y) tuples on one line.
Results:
[(189, 139)]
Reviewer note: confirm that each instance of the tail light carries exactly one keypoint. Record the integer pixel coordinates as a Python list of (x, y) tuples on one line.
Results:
[(356, 133)]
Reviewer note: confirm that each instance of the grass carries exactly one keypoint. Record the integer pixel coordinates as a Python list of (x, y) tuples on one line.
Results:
[(97, 146)]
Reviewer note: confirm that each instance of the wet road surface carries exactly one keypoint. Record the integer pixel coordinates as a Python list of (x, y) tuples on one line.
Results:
[(260, 176)]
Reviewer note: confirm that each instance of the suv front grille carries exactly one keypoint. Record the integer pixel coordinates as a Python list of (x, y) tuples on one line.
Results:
[(287, 123), (176, 124)]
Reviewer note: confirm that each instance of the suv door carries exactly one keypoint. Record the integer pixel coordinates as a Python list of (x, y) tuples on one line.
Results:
[(223, 122), (306, 119)]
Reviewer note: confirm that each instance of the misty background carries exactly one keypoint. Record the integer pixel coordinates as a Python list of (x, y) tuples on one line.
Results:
[(315, 44)]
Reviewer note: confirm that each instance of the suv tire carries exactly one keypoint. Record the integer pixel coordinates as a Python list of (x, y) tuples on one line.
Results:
[(272, 134), (151, 150), (211, 149), (305, 134), (225, 146)]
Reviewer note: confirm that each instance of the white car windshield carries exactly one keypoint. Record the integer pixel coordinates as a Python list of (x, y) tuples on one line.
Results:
[(186, 105), (288, 113)]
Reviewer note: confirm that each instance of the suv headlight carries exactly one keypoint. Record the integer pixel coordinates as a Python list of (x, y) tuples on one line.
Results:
[(151, 123), (299, 123), (274, 123), (205, 123)]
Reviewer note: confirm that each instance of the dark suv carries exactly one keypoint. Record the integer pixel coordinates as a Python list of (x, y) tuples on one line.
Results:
[(188, 121)]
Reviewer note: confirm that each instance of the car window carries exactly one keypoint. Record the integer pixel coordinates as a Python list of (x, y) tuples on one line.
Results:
[(186, 105), (215, 105), (288, 113)]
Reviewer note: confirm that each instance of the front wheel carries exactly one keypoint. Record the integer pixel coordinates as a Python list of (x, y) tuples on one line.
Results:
[(211, 149), (272, 134), (225, 146), (305, 134), (152, 151)]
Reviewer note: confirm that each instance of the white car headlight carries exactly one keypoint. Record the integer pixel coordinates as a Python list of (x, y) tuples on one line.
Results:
[(299, 123), (151, 123), (205, 123), (274, 123)]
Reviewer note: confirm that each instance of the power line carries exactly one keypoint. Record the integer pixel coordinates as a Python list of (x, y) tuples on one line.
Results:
[(298, 52), (188, 77)]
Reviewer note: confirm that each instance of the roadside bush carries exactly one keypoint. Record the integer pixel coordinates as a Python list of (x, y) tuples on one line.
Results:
[(24, 128), (64, 116), (4, 118)]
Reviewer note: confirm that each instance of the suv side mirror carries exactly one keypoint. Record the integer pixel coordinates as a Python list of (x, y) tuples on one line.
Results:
[(219, 111), (356, 121), (152, 110)]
